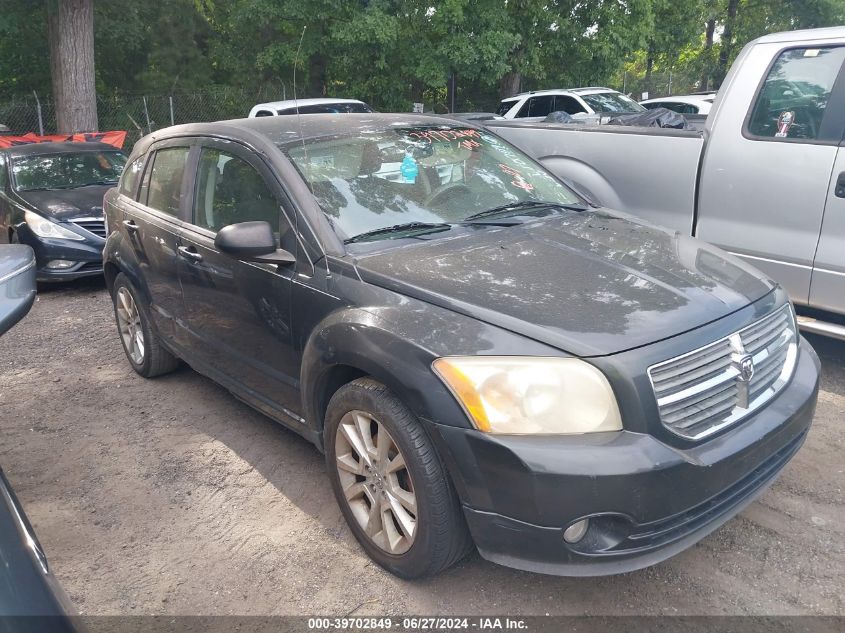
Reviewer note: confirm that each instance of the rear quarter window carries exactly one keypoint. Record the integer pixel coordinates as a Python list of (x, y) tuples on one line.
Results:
[(131, 176), (504, 107)]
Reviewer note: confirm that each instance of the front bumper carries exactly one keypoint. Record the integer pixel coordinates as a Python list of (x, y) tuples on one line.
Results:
[(88, 255), (646, 500)]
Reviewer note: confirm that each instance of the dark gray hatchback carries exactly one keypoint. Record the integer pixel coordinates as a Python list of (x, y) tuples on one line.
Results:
[(484, 358)]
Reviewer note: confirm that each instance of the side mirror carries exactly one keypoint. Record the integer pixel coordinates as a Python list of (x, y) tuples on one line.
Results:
[(252, 241), (17, 283)]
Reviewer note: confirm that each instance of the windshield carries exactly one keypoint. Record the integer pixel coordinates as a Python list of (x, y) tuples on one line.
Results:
[(611, 102), (67, 170), (434, 174)]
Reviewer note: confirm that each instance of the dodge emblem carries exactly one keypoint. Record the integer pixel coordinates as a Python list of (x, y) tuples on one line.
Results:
[(746, 368)]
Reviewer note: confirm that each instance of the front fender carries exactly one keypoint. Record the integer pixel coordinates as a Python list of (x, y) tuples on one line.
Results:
[(359, 339)]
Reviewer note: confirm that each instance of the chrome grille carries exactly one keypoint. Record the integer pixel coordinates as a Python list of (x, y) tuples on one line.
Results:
[(711, 388), (97, 226)]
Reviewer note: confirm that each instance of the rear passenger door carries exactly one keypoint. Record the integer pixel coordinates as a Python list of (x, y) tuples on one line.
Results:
[(239, 312), (153, 213), (767, 170)]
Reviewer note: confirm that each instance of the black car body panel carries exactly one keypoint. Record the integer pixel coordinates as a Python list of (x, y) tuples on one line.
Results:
[(647, 283), (27, 587), (17, 284), (78, 210), (594, 285)]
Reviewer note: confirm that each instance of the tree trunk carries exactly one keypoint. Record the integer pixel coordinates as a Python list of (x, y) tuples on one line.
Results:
[(70, 28), (451, 92), (509, 84), (649, 69), (708, 50), (726, 47)]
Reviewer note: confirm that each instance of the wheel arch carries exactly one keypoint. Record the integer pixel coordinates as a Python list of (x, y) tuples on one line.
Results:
[(349, 345)]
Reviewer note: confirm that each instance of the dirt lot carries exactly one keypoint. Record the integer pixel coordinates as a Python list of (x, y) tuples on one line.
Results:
[(170, 496)]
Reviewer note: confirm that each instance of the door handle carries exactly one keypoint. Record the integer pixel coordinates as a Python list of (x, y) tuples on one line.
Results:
[(130, 226), (190, 255), (840, 186)]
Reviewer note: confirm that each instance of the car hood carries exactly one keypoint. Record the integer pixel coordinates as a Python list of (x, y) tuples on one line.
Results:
[(67, 204), (591, 283)]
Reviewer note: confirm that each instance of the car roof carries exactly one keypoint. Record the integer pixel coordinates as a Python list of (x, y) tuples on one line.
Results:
[(693, 99), (805, 35), (38, 149), (291, 129), (562, 91), (291, 103)]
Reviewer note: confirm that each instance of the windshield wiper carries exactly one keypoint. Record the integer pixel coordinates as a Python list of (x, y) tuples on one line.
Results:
[(525, 204), (411, 228)]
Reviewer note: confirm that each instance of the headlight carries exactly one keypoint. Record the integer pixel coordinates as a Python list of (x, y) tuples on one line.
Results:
[(522, 395), (42, 227)]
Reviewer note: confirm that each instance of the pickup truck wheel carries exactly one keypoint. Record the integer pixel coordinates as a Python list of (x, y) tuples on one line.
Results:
[(390, 484), (143, 348)]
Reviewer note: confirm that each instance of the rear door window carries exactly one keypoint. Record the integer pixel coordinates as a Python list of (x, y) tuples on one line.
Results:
[(793, 99), (537, 106), (570, 105), (164, 185)]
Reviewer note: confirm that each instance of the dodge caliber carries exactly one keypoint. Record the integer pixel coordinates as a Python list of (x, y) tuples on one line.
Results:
[(486, 359)]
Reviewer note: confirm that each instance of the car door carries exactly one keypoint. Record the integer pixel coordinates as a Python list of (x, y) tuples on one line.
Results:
[(767, 169), (827, 290), (151, 221), (239, 312)]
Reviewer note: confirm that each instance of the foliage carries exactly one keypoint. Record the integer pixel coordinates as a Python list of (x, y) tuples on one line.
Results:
[(394, 52)]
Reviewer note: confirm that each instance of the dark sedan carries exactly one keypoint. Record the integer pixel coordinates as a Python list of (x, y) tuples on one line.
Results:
[(51, 198), (485, 358)]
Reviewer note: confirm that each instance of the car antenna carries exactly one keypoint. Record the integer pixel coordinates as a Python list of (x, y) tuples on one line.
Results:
[(296, 101)]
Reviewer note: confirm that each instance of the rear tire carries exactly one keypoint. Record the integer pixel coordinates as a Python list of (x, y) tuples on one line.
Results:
[(390, 483), (143, 348)]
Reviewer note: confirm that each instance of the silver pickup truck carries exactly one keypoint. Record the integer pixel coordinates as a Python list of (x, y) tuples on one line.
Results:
[(764, 179)]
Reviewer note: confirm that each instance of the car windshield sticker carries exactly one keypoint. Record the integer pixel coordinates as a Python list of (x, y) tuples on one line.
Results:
[(785, 121), (518, 180), (409, 169)]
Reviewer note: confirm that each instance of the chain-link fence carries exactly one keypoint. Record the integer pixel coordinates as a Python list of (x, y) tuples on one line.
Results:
[(137, 114)]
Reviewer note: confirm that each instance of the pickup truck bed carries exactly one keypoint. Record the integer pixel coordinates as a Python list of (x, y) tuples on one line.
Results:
[(608, 162)]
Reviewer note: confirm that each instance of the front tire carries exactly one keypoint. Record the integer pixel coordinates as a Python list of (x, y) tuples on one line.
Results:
[(391, 486), (143, 348)]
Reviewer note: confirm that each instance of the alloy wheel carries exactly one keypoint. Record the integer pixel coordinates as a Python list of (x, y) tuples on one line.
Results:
[(129, 325), (376, 483)]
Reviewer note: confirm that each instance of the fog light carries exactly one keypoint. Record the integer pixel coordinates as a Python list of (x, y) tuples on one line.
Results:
[(60, 264), (576, 531)]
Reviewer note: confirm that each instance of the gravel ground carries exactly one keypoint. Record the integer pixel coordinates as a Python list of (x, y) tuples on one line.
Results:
[(169, 496)]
